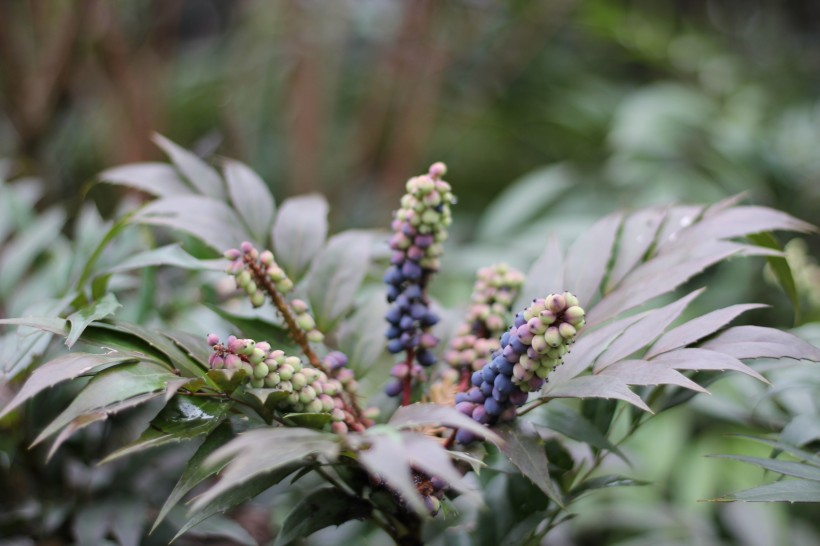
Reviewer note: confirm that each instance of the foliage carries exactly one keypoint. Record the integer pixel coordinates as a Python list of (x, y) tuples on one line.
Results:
[(403, 470)]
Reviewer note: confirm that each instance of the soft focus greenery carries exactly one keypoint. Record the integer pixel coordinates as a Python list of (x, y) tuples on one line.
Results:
[(603, 104)]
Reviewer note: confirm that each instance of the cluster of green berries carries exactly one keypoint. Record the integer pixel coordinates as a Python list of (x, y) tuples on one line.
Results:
[(250, 268), (539, 337), (419, 231), (309, 390), (494, 292)]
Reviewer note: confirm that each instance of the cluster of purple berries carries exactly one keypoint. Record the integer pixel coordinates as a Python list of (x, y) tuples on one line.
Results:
[(420, 229), (495, 290), (309, 390), (529, 350)]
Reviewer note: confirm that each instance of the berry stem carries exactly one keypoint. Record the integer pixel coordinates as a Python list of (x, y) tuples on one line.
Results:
[(407, 386)]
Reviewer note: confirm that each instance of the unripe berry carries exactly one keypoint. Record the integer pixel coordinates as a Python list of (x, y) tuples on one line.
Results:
[(566, 330), (553, 337), (258, 299), (272, 379), (298, 381), (260, 370), (266, 257), (315, 336)]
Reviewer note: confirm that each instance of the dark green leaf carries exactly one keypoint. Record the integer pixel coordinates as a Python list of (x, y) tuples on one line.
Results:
[(780, 268), (322, 508), (336, 275), (603, 482), (250, 197), (525, 449), (299, 233), (82, 318), (201, 175), (315, 421), (565, 421)]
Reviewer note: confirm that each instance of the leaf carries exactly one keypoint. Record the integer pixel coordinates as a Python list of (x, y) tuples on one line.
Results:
[(603, 482), (127, 521), (250, 197), (257, 327), (703, 359), (588, 257), (524, 200), (641, 372), (801, 430), (227, 380), (761, 342), (594, 386), (789, 468), (264, 450), (81, 319), (19, 253), (62, 369), (429, 456), (184, 418), (172, 255), (110, 391), (638, 233), (216, 526), (795, 451), (361, 336), (564, 420), (299, 233), (54, 325), (315, 421), (644, 332), (420, 415), (195, 471), (201, 175), (780, 267), (782, 491), (525, 449), (157, 179), (192, 344), (545, 276), (698, 328), (336, 275), (211, 221), (321, 508)]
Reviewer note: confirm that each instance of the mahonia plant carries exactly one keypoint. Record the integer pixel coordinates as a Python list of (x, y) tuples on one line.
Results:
[(294, 395)]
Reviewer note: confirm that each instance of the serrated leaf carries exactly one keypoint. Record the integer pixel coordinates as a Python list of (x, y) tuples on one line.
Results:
[(523, 200), (564, 420), (788, 468), (761, 342), (184, 418), (794, 451), (420, 415), (260, 451), (698, 328), (321, 508), (158, 179), (201, 175), (172, 255), (62, 369), (740, 221), (703, 359), (781, 269), (641, 372), (315, 421), (80, 319), (546, 274), (112, 390), (782, 491), (336, 275), (19, 253), (429, 456), (250, 197), (595, 386), (55, 325), (602, 482), (299, 233), (638, 232), (588, 257), (525, 449), (644, 332), (211, 221), (195, 471)]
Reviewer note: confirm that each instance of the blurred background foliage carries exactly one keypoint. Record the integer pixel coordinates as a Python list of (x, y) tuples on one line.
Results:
[(589, 106)]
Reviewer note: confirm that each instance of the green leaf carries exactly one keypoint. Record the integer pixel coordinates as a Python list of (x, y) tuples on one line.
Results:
[(361, 336), (782, 491), (419, 415), (603, 482), (201, 175), (260, 451), (801, 430), (215, 526), (789, 468), (184, 418), (315, 421), (250, 197), (801, 454), (172, 255), (336, 275), (80, 320), (62, 369), (780, 268), (158, 179), (258, 328), (321, 508), (525, 449), (227, 380), (19, 254), (193, 345), (196, 471), (110, 391), (299, 233), (565, 421)]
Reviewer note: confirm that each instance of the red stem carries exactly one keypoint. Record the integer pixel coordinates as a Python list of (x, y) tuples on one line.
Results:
[(407, 387)]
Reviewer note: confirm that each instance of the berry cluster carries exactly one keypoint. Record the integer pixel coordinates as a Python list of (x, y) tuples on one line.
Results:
[(475, 341), (431, 489), (529, 350), (257, 273), (309, 390), (420, 229)]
